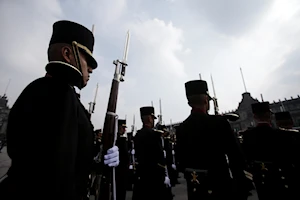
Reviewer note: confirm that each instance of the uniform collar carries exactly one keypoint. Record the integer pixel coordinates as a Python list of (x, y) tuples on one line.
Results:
[(263, 124), (198, 110), (65, 72), (146, 126)]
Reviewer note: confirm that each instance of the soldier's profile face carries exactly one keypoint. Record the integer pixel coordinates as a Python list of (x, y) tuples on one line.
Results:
[(122, 130), (85, 69)]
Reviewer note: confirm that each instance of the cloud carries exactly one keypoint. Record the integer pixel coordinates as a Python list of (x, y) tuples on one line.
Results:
[(171, 43), (285, 81), (26, 30), (231, 17), (160, 42)]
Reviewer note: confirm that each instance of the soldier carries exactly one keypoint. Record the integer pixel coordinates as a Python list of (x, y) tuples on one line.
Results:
[(169, 155), (49, 134), (270, 157), (151, 170), (122, 169), (284, 120), (205, 145)]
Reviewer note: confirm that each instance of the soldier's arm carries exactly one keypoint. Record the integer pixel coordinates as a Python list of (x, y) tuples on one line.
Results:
[(179, 149), (237, 161)]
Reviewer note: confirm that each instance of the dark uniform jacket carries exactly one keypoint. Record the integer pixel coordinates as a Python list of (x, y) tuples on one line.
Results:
[(151, 165), (50, 142), (122, 169), (203, 141), (272, 160)]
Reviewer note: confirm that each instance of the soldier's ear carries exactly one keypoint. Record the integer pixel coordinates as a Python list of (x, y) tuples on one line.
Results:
[(67, 54)]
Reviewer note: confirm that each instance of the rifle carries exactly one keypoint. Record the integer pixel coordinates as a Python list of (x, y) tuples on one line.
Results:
[(107, 185), (92, 104), (215, 100), (159, 123), (132, 146)]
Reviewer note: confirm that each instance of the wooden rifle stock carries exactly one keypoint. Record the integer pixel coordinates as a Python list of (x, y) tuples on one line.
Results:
[(108, 141), (216, 106), (107, 185)]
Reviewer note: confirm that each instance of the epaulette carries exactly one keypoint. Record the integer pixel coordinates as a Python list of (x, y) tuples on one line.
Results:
[(292, 130), (159, 131)]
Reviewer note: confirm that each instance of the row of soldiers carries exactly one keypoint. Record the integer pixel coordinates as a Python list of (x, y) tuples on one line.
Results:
[(132, 166), (215, 164)]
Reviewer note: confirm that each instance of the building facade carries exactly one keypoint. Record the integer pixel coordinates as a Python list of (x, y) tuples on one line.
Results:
[(4, 111)]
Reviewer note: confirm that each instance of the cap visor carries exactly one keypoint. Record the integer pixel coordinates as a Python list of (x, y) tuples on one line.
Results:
[(91, 61), (154, 116)]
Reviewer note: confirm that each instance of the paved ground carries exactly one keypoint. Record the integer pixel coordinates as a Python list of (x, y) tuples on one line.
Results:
[(179, 190)]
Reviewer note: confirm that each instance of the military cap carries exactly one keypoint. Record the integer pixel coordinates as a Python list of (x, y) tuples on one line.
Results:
[(283, 116), (98, 131), (67, 32), (162, 128), (196, 87), (147, 110), (122, 122), (261, 107)]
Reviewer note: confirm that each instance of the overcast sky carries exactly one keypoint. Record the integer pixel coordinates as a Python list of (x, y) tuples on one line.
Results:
[(172, 41)]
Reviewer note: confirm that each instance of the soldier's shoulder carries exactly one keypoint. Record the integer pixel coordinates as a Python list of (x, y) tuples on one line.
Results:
[(247, 131), (158, 131), (47, 86), (288, 130)]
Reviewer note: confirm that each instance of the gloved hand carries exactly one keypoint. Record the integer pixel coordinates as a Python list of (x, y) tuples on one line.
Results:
[(130, 167), (112, 157), (167, 181), (174, 166), (132, 151)]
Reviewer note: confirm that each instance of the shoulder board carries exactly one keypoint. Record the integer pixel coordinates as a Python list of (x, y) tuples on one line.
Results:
[(159, 131), (292, 130)]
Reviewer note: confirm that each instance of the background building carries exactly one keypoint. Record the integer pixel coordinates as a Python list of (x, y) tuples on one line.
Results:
[(4, 111), (244, 110)]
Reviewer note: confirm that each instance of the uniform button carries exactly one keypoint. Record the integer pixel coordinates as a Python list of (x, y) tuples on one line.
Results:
[(282, 177), (286, 186), (263, 175), (209, 191), (262, 182), (279, 169), (194, 190)]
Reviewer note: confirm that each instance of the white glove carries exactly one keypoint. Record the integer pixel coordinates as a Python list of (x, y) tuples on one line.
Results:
[(173, 152), (167, 181), (132, 151), (130, 167), (174, 166), (112, 157), (165, 154)]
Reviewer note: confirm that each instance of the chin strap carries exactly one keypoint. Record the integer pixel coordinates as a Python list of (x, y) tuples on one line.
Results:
[(78, 63)]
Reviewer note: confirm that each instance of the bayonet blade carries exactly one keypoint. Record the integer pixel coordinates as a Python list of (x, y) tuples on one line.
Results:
[(125, 55), (212, 82)]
